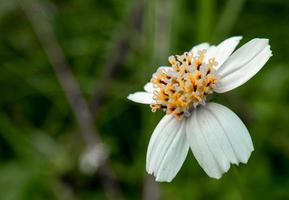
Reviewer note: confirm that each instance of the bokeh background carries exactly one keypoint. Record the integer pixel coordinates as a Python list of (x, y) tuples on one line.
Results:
[(67, 130)]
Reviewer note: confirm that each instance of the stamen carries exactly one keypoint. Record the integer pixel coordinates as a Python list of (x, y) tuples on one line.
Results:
[(185, 85)]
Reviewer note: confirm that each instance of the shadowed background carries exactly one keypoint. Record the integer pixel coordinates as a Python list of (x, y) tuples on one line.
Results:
[(67, 130)]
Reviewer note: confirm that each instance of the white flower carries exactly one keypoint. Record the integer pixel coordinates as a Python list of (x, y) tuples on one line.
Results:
[(216, 136)]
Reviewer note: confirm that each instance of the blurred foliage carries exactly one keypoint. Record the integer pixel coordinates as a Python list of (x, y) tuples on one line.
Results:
[(40, 143)]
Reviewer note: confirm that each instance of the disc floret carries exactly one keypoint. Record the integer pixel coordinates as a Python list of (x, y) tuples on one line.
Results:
[(185, 85)]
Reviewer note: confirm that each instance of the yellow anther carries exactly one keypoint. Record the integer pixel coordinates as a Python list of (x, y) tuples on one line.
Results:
[(179, 89), (213, 62)]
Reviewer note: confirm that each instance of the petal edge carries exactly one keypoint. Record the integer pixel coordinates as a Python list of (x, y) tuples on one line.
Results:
[(243, 64), (218, 138), (167, 149), (141, 97)]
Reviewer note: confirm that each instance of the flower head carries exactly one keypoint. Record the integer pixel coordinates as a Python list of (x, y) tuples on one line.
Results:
[(216, 136)]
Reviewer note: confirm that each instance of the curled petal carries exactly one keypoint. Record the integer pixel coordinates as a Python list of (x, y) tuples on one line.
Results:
[(200, 47), (218, 138), (168, 148), (149, 87), (223, 50), (165, 68), (243, 64), (141, 97)]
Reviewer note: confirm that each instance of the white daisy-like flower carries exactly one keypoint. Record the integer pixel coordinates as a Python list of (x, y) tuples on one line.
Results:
[(215, 134)]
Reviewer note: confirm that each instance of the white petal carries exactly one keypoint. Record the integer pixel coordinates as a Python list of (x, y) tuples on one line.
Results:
[(218, 138), (223, 50), (141, 97), (149, 87), (165, 68), (205, 146), (235, 129), (200, 47), (243, 64), (168, 148)]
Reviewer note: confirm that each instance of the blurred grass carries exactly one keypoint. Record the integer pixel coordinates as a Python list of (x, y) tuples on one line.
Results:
[(39, 141)]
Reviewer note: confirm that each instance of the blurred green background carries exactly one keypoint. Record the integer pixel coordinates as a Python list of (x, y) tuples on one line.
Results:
[(66, 67)]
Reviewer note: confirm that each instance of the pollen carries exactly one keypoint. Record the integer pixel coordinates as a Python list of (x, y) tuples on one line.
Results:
[(179, 89)]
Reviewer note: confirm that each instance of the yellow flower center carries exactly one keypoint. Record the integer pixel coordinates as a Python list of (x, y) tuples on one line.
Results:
[(180, 88)]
